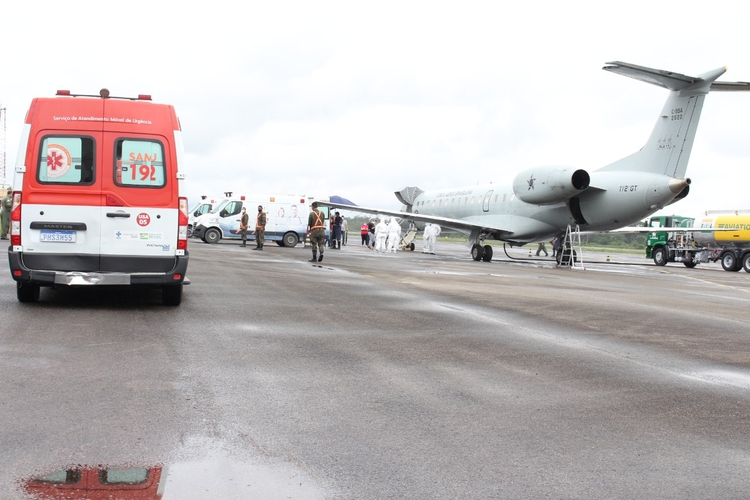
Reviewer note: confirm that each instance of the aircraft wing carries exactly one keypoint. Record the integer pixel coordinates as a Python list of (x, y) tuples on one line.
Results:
[(461, 225), (666, 230)]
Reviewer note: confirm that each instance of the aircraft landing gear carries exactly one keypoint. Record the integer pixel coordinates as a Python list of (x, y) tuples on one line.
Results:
[(479, 252), (487, 256)]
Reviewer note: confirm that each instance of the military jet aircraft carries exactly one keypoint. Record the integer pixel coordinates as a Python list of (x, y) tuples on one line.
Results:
[(543, 202)]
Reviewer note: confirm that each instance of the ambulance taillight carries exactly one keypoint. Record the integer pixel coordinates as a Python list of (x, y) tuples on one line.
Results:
[(183, 224), (15, 220)]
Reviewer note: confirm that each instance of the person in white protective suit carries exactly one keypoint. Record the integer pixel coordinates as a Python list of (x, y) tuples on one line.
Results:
[(394, 235), (430, 234), (381, 235)]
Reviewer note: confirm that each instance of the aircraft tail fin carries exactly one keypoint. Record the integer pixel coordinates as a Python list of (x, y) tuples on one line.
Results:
[(667, 150)]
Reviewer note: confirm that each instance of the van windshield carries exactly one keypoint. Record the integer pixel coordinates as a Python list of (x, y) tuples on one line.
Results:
[(218, 207)]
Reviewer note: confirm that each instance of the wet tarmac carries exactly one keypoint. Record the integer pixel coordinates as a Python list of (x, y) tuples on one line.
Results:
[(404, 375)]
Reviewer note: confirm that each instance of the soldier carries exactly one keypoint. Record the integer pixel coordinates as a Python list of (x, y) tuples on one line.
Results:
[(317, 229), (244, 223), (7, 204), (260, 228)]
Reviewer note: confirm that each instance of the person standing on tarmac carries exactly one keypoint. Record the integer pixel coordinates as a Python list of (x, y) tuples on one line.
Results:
[(317, 229), (7, 204), (364, 231), (337, 231), (244, 223), (260, 228), (542, 248)]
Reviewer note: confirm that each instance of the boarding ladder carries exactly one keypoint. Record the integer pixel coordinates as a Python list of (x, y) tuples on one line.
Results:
[(572, 253)]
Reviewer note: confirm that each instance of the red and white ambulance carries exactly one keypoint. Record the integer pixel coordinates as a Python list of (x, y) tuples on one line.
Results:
[(97, 196)]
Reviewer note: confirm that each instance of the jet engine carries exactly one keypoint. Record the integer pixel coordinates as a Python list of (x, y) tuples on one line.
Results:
[(547, 185)]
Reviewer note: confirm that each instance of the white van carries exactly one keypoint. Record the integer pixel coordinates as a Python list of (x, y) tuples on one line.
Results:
[(286, 219), (97, 196), (204, 206)]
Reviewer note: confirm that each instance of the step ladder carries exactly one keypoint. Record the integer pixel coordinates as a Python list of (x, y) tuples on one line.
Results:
[(571, 255)]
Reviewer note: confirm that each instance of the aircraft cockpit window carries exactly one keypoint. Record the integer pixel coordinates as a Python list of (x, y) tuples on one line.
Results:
[(496, 196)]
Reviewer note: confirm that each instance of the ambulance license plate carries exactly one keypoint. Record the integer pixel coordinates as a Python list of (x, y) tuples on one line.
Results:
[(58, 236)]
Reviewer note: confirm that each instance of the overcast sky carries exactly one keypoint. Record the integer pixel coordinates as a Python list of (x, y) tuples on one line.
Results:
[(359, 99)]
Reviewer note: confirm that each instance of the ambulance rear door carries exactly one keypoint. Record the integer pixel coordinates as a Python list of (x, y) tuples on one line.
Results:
[(139, 213), (61, 197)]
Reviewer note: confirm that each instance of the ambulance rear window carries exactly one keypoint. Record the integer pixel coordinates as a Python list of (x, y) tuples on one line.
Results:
[(139, 163), (66, 160)]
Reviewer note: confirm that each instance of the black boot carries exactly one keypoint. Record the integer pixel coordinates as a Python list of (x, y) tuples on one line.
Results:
[(314, 259)]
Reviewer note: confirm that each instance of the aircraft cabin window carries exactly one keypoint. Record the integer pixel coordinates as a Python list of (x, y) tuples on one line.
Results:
[(496, 197)]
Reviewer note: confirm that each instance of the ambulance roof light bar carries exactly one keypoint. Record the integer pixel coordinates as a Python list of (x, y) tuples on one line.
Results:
[(104, 94)]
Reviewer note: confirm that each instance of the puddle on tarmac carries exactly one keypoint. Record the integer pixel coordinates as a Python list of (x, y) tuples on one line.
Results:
[(213, 471)]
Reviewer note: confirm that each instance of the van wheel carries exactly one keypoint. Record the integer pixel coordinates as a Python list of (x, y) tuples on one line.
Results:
[(171, 295), (212, 236), (291, 240), (27, 292)]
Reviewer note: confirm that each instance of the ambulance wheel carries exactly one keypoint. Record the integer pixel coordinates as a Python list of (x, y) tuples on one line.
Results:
[(729, 262), (660, 256), (291, 240), (487, 254), (27, 292), (212, 236), (476, 252), (746, 262), (412, 247), (171, 295)]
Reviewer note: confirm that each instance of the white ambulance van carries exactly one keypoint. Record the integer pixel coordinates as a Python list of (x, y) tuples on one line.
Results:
[(96, 196), (204, 206), (286, 219)]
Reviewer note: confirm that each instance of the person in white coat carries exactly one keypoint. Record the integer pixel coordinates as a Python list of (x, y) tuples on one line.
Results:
[(394, 235), (430, 234), (381, 235)]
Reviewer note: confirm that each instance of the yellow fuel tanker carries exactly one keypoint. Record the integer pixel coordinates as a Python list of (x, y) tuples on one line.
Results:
[(726, 238), (732, 248)]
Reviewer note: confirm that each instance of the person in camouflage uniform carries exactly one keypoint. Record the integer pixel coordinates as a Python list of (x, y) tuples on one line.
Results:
[(7, 204), (260, 228), (317, 229), (244, 223)]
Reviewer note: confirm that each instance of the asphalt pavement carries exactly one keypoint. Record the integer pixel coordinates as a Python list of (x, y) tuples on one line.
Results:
[(403, 375)]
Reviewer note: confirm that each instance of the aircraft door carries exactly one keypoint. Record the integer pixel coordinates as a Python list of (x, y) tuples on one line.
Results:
[(486, 202)]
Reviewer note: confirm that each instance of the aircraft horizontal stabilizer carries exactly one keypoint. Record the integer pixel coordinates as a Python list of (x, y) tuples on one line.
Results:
[(675, 81)]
